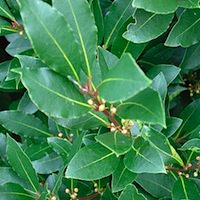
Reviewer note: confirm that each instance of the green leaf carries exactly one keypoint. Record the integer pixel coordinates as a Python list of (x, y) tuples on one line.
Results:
[(173, 123), (118, 14), (191, 118), (186, 31), (79, 17), (156, 6), (7, 175), (185, 189), (68, 101), (23, 124), (26, 105), (98, 15), (92, 162), (21, 163), (145, 106), (53, 44), (130, 193), (145, 27), (121, 177), (4, 11), (170, 72), (161, 143), (48, 164), (20, 45), (12, 191), (189, 4), (61, 146), (192, 145), (143, 158), (191, 58), (123, 81), (115, 142), (158, 185)]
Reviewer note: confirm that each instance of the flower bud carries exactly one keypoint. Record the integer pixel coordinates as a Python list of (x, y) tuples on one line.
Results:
[(90, 102), (102, 107)]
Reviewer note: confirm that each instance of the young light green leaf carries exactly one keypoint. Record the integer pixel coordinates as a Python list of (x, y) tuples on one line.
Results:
[(145, 106), (13, 191), (143, 158), (156, 6), (80, 18), (123, 81), (21, 163), (145, 27), (118, 14), (186, 31), (53, 44), (185, 189), (121, 177), (158, 185), (23, 124), (92, 162), (131, 192), (4, 11), (116, 142), (60, 101)]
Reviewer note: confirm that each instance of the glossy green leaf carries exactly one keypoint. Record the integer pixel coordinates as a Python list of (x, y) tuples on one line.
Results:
[(48, 164), (7, 175), (23, 124), (68, 101), (130, 193), (12, 191), (115, 142), (26, 105), (161, 143), (4, 10), (156, 6), (143, 158), (123, 81), (185, 189), (61, 146), (21, 163), (18, 46), (98, 15), (191, 58), (158, 185), (118, 14), (170, 72), (145, 106), (189, 4), (159, 84), (192, 145), (186, 31), (39, 17), (191, 118), (121, 177), (92, 162), (145, 27), (172, 123), (79, 17)]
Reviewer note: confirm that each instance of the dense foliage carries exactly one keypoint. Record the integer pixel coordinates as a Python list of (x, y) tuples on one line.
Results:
[(100, 100)]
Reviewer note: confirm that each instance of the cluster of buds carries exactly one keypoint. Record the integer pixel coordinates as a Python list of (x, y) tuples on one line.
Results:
[(73, 194), (68, 138), (98, 107), (97, 189), (187, 170), (126, 126), (53, 198)]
